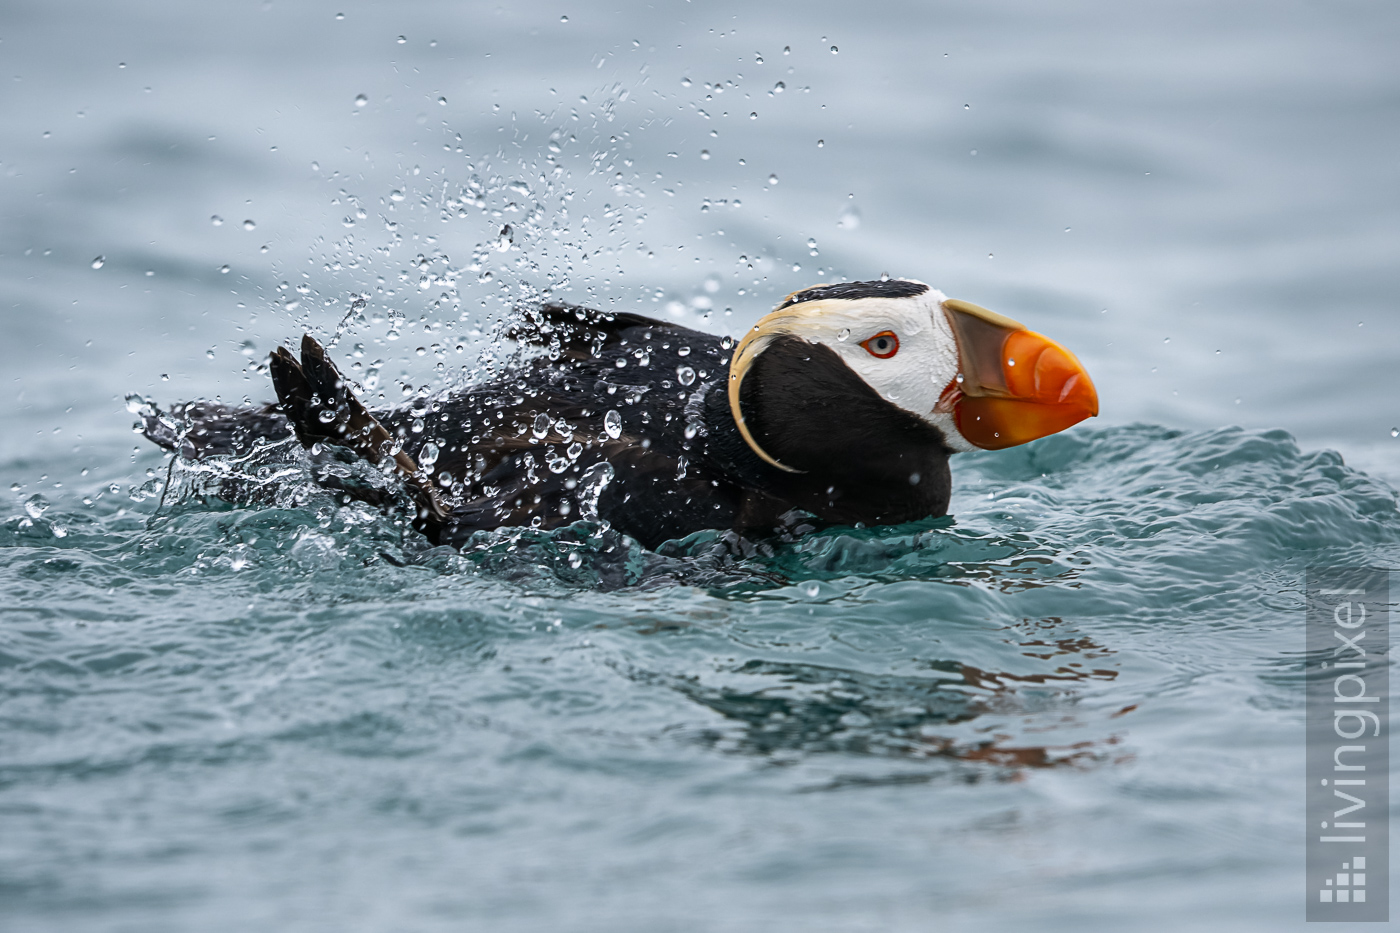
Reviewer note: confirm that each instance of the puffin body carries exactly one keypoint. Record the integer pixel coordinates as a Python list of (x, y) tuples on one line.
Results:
[(843, 406)]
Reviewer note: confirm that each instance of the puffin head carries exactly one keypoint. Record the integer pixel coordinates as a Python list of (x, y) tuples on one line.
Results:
[(902, 354)]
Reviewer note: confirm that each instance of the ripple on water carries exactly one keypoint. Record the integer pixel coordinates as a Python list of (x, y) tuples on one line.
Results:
[(245, 661)]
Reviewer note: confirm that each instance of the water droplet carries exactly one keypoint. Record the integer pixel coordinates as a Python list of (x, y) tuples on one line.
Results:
[(612, 424), (1067, 230), (685, 82), (442, 101), (844, 335), (683, 351), (402, 39), (967, 106), (216, 220), (811, 589), (705, 154), (428, 455), (541, 426), (396, 195), (754, 115), (504, 238), (249, 225), (326, 416), (772, 179), (36, 505), (224, 269), (361, 100), (821, 143), (99, 262), (834, 50), (1395, 432), (339, 16), (1166, 340), (959, 378), (685, 375), (563, 19), (779, 88)]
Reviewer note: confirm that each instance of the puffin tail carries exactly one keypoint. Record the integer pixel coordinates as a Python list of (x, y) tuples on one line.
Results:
[(196, 430)]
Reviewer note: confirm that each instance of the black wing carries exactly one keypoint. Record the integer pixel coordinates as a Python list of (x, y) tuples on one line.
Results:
[(583, 333)]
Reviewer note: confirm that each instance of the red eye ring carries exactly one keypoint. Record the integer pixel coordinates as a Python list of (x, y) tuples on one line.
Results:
[(883, 345)]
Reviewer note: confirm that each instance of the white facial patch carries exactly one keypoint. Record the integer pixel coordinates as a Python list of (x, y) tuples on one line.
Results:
[(914, 377)]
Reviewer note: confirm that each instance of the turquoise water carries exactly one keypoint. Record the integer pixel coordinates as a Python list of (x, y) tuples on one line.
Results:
[(1075, 704)]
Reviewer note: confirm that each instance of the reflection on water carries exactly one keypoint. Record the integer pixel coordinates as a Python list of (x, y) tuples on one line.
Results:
[(810, 709)]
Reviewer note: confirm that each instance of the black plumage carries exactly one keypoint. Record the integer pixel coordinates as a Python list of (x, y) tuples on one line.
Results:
[(534, 447), (878, 288)]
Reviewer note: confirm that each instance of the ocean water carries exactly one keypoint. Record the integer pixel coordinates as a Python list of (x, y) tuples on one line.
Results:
[(1074, 704)]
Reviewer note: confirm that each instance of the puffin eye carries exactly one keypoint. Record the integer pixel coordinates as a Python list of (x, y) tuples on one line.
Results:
[(883, 345)]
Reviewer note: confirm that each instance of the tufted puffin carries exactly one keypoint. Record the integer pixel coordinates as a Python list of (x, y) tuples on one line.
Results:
[(843, 406)]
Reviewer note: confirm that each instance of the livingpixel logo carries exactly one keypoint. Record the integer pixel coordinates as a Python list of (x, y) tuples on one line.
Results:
[(1350, 884), (1348, 750)]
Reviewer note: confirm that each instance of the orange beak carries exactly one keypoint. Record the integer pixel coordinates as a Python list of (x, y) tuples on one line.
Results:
[(1016, 385)]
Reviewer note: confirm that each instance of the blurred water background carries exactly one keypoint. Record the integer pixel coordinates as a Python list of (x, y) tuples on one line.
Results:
[(1074, 706)]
